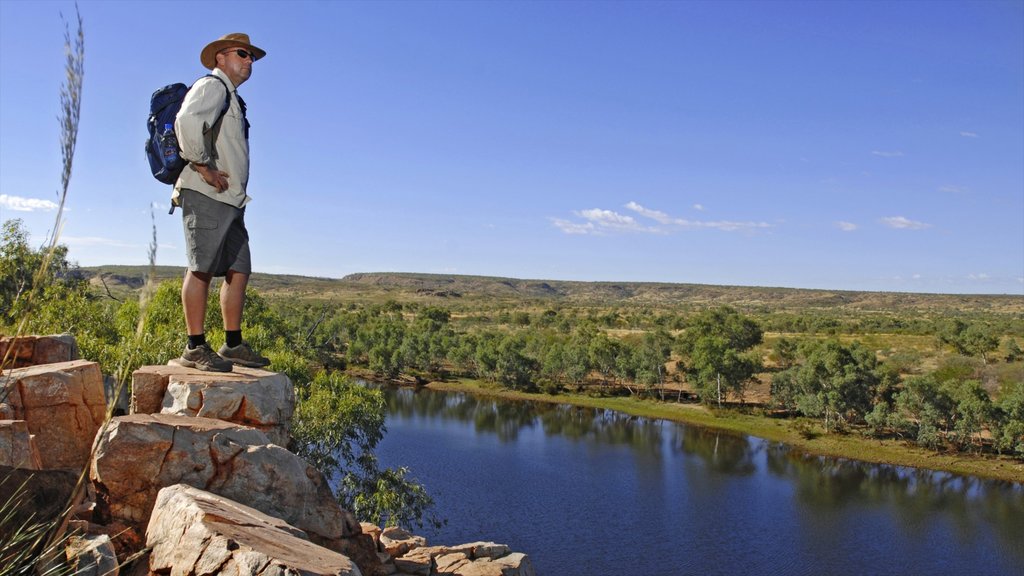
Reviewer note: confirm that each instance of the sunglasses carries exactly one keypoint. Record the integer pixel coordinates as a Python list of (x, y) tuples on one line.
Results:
[(243, 54)]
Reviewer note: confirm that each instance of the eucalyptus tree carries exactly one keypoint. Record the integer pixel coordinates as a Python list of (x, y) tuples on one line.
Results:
[(831, 380), (716, 350)]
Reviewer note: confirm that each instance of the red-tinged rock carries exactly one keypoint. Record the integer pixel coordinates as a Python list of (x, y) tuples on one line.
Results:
[(63, 405), (195, 532), (17, 447)]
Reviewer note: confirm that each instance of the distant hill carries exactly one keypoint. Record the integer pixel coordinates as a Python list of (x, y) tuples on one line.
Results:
[(453, 289)]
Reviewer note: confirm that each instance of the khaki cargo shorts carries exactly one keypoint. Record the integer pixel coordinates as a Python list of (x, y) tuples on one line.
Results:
[(215, 236)]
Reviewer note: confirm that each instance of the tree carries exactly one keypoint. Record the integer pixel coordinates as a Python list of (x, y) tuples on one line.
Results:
[(714, 345), (835, 382), (513, 368), (1009, 430), (1013, 351), (27, 272), (975, 339)]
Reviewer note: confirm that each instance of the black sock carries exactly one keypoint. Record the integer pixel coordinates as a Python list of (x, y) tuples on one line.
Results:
[(233, 338), (196, 341)]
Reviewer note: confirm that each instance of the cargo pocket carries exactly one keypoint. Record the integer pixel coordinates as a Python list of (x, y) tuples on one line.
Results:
[(197, 222)]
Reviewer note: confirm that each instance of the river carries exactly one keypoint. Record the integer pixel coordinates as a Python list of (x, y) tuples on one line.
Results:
[(588, 492)]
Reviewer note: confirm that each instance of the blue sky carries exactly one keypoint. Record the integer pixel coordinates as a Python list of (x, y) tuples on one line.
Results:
[(840, 145)]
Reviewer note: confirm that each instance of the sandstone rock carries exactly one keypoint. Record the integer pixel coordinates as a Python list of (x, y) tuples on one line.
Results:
[(398, 542), (33, 350), (473, 559), (415, 565), (362, 550), (63, 406), (142, 453), (17, 448), (92, 556), (149, 384), (257, 398), (373, 530), (448, 563), (515, 564), (195, 532)]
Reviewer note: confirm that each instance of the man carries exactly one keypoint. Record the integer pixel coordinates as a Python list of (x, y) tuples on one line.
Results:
[(212, 196)]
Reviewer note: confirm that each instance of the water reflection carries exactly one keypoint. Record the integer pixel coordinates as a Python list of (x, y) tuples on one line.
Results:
[(681, 471)]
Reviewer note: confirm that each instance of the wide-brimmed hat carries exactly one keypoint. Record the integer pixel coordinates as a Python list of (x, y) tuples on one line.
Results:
[(236, 39)]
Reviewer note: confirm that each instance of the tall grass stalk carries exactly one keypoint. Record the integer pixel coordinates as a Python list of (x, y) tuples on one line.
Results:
[(36, 547)]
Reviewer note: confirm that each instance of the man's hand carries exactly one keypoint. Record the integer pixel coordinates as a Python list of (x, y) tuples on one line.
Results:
[(216, 178)]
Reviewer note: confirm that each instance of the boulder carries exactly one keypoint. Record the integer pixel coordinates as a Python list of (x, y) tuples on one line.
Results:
[(195, 532), (17, 447), (63, 406), (32, 350), (140, 454), (473, 559), (149, 384), (248, 396), (92, 555), (398, 542)]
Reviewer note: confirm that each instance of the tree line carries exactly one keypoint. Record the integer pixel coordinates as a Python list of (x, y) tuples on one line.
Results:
[(717, 353)]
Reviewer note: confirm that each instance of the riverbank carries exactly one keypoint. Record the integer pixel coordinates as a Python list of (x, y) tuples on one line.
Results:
[(849, 446)]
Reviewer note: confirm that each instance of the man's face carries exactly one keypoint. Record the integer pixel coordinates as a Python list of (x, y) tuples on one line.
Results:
[(236, 63)]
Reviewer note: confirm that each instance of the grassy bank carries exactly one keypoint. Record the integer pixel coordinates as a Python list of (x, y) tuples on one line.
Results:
[(850, 446)]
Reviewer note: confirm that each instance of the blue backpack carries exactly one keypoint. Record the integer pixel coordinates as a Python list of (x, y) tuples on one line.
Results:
[(162, 150)]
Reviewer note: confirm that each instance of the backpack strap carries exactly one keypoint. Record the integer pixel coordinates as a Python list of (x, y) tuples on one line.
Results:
[(223, 110), (227, 95)]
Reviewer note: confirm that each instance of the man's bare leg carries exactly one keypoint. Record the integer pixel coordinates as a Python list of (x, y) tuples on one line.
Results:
[(194, 290), (232, 299)]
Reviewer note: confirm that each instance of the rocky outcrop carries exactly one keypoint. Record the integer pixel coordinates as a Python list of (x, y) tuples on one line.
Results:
[(194, 532), (247, 396), (198, 473), (17, 446), (142, 453), (411, 556), (63, 406), (34, 350)]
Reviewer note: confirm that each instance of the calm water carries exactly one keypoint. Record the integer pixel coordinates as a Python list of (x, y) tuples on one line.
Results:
[(588, 492)]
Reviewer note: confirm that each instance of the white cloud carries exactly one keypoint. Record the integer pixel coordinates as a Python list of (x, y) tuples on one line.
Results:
[(599, 220), (572, 227), (899, 222), (969, 134), (846, 226), (19, 204), (884, 154), (953, 189), (981, 276), (652, 214), (698, 207)]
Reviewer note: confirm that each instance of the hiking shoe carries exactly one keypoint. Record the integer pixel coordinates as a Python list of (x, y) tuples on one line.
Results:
[(243, 355), (203, 358)]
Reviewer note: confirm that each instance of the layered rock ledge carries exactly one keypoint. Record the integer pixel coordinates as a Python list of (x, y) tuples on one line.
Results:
[(198, 472)]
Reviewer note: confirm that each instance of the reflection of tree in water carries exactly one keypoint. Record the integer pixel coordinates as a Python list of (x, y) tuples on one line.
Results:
[(720, 451), (828, 484), (506, 418)]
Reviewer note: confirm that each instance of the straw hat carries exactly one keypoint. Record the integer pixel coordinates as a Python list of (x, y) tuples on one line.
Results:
[(236, 39)]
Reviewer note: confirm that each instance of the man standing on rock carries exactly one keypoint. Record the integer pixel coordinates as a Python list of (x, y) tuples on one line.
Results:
[(211, 193)]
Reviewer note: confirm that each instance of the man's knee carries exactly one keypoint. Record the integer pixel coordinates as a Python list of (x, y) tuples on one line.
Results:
[(204, 277)]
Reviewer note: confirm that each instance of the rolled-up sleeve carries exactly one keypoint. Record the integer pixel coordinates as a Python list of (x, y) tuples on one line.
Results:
[(199, 111)]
